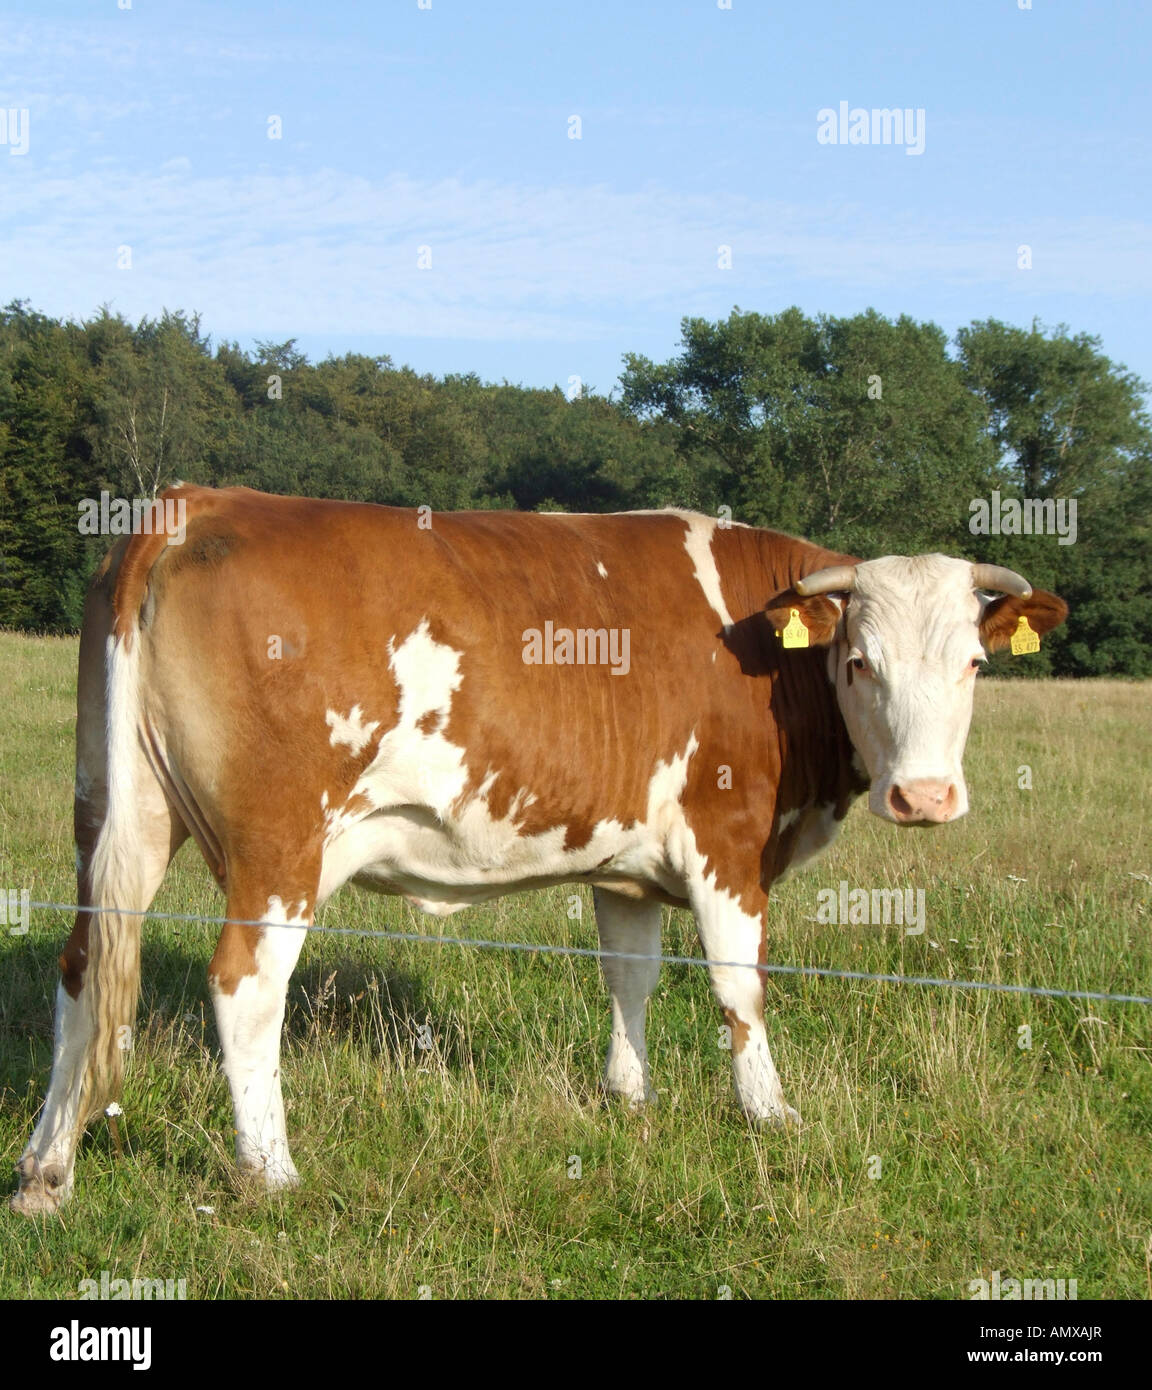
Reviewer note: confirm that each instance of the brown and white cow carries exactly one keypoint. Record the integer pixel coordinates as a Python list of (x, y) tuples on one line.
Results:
[(324, 691)]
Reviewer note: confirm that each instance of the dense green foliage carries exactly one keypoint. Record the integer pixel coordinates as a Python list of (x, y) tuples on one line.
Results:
[(864, 434)]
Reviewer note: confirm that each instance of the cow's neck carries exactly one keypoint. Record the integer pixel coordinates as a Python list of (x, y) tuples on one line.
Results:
[(820, 773)]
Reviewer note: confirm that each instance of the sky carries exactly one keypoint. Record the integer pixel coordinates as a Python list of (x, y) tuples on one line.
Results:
[(404, 177)]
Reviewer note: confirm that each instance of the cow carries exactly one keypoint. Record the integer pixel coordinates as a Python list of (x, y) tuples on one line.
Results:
[(455, 706)]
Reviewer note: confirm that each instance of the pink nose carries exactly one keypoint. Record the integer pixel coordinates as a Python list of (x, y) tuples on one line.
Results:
[(932, 802)]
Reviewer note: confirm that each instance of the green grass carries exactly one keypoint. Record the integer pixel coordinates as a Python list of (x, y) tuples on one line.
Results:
[(447, 1169)]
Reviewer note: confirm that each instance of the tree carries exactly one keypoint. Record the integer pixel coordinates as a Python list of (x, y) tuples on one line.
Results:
[(858, 433), (44, 466), (155, 393), (1069, 424)]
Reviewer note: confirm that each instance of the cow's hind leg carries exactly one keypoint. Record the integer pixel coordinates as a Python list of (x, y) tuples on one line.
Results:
[(634, 928), (729, 934), (248, 977), (46, 1166)]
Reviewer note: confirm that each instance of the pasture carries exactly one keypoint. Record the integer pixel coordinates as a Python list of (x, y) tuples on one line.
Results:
[(935, 1149)]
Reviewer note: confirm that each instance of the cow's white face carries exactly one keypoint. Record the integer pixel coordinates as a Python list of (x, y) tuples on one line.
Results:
[(905, 637), (905, 666)]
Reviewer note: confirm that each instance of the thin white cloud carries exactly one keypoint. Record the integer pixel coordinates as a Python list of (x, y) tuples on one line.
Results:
[(328, 252), (58, 47)]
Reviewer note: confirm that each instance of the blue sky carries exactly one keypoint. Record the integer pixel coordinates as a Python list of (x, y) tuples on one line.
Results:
[(448, 128)]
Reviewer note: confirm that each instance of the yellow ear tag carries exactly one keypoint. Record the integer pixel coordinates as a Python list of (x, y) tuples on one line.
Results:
[(1024, 640), (794, 633)]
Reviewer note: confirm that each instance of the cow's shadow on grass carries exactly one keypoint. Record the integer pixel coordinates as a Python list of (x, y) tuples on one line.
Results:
[(382, 1011)]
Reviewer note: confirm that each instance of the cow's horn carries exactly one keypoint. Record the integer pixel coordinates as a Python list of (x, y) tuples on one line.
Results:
[(840, 579), (1003, 580)]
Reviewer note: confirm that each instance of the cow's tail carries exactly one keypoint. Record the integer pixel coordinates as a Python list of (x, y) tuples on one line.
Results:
[(116, 873)]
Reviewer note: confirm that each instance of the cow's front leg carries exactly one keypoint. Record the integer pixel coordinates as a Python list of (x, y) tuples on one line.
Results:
[(729, 933), (633, 928)]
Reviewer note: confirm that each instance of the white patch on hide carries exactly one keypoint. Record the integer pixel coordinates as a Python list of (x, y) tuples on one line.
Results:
[(352, 731), (698, 543)]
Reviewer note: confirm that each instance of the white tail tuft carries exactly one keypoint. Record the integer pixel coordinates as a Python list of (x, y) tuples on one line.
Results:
[(112, 976)]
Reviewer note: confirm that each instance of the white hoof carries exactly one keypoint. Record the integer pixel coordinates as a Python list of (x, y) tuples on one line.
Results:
[(780, 1116), (635, 1097), (274, 1175), (43, 1187)]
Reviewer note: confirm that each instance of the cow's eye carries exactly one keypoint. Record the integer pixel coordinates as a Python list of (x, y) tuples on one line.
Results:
[(858, 664)]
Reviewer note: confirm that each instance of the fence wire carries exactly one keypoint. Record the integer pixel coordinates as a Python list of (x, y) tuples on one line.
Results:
[(544, 948)]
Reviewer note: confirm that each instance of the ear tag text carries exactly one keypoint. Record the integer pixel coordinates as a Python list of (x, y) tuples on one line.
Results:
[(1024, 640), (794, 633)]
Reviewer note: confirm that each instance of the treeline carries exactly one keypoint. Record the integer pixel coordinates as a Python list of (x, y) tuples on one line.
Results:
[(865, 434)]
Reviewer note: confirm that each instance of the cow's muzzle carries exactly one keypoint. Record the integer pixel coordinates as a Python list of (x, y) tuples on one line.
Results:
[(923, 802)]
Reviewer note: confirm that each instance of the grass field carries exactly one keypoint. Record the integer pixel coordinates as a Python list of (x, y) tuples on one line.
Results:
[(446, 1170)]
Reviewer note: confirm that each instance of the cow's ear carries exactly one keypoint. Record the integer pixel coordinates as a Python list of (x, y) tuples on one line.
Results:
[(820, 615), (1001, 618)]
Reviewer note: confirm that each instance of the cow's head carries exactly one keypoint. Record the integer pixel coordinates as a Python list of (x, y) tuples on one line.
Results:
[(906, 637)]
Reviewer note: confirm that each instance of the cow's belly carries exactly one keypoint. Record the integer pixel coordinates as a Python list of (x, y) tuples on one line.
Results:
[(443, 867), (413, 824)]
